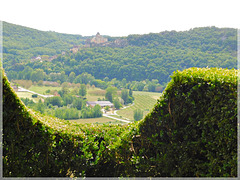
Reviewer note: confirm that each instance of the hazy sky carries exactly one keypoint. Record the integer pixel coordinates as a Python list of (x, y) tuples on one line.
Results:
[(120, 17)]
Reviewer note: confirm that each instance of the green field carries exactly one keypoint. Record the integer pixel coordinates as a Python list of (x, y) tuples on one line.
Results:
[(27, 95), (42, 89), (92, 93), (143, 100), (96, 120)]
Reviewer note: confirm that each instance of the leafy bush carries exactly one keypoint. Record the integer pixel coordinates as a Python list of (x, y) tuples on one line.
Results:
[(34, 96)]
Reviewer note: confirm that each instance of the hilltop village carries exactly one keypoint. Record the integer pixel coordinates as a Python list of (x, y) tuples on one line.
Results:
[(100, 41), (97, 41)]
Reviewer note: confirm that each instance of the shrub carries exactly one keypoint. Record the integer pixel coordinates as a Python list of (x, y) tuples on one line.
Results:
[(34, 96)]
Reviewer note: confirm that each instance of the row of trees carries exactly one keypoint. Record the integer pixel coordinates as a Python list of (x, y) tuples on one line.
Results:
[(29, 76), (131, 63), (63, 108)]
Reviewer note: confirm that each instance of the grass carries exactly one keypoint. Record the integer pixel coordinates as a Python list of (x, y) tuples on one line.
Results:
[(42, 89), (95, 120), (92, 93), (143, 100), (27, 95)]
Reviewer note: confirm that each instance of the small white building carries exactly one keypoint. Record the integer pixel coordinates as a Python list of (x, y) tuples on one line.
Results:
[(101, 103)]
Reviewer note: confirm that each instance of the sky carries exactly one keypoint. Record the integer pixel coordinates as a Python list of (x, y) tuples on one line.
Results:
[(120, 17)]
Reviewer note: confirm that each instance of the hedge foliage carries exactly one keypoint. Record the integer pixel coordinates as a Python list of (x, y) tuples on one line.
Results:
[(192, 131)]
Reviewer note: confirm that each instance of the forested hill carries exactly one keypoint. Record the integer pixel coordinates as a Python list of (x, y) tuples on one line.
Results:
[(21, 43), (205, 39), (149, 56)]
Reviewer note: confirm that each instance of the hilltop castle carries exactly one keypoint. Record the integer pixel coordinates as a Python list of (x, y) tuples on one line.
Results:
[(99, 40)]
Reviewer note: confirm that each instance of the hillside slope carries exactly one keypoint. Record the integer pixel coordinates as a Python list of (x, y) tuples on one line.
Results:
[(191, 132)]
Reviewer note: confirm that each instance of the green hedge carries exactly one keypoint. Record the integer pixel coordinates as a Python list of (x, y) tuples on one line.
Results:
[(36, 145), (192, 131)]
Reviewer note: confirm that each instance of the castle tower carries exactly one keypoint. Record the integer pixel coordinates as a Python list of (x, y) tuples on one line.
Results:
[(98, 39)]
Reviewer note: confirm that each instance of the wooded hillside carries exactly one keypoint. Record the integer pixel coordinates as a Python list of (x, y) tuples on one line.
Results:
[(149, 56)]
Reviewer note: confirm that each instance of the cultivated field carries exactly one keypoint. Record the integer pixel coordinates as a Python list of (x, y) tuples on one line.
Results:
[(143, 100)]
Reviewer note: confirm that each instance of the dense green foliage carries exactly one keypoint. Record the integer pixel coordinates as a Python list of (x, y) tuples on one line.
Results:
[(192, 131), (67, 107), (40, 146), (150, 56)]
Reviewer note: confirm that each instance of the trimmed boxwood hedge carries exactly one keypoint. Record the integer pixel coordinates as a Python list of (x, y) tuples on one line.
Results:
[(192, 131)]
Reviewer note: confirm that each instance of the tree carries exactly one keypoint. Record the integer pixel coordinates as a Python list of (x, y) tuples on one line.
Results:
[(38, 75), (67, 99), (140, 86), (151, 87), (83, 90), (110, 93), (109, 96), (124, 82), (130, 92), (78, 103), (124, 95), (71, 77), (63, 77), (65, 91), (117, 103), (97, 111), (138, 114), (40, 107), (55, 101)]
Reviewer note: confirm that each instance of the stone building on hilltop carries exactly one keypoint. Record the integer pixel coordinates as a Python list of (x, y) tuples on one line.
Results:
[(98, 39)]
